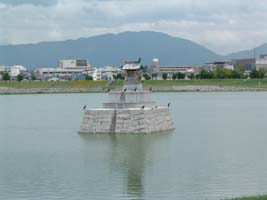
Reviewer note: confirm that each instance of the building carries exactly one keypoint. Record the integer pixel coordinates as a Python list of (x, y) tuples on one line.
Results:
[(97, 74), (248, 63), (173, 70), (105, 73), (69, 69), (67, 74), (128, 111), (214, 65), (261, 63), (74, 64), (155, 66), (13, 71)]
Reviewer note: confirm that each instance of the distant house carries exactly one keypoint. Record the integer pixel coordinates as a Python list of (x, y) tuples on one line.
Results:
[(105, 73), (170, 70), (74, 64), (261, 63), (69, 69), (13, 71), (248, 64), (214, 65), (155, 66)]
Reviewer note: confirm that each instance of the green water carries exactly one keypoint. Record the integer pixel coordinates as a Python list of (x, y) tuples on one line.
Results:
[(217, 151)]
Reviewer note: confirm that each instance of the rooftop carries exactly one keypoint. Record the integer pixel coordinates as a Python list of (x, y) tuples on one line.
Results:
[(132, 65)]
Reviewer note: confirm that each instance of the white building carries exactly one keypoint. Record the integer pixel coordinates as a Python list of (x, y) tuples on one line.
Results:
[(97, 74), (155, 65), (46, 73), (105, 73), (261, 63), (74, 64), (13, 71), (68, 69), (214, 65)]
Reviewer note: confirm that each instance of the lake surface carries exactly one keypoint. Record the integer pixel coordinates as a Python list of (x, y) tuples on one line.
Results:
[(217, 151)]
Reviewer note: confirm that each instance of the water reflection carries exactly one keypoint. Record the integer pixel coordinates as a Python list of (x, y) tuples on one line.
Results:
[(129, 156)]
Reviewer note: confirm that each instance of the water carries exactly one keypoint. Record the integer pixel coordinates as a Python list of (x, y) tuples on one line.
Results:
[(217, 151)]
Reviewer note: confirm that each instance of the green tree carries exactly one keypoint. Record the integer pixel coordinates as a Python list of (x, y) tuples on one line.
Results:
[(258, 73), (146, 76), (191, 76), (33, 77), (174, 76), (20, 77), (219, 73), (164, 76), (118, 77), (6, 77), (236, 74), (261, 73), (180, 75), (205, 74), (254, 74), (197, 76), (154, 75), (222, 73), (88, 77)]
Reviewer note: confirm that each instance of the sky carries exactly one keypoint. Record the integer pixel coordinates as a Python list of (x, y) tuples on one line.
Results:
[(224, 26)]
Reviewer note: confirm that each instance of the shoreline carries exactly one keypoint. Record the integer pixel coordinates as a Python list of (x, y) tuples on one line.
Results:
[(184, 88)]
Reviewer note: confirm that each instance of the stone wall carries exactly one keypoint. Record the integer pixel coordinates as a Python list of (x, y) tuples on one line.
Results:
[(134, 120)]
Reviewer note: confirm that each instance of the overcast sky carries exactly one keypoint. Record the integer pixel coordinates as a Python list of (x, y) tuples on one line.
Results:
[(221, 25)]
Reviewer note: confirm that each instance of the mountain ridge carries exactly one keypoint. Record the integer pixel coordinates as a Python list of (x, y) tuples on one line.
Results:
[(113, 49)]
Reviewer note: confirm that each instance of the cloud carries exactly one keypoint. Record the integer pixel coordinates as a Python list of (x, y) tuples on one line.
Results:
[(222, 25), (33, 2)]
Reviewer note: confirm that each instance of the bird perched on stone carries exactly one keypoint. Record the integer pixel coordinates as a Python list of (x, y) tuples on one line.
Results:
[(143, 107), (169, 104), (135, 89), (84, 107), (125, 90)]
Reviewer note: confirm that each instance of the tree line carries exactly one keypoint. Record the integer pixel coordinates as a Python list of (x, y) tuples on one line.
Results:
[(238, 73), (218, 73)]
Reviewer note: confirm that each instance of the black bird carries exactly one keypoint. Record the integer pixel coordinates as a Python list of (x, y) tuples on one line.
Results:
[(150, 89), (135, 89), (169, 104), (84, 107), (108, 89), (125, 90), (143, 107)]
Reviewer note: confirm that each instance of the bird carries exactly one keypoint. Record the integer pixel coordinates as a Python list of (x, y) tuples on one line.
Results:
[(150, 88), (169, 104), (143, 107), (135, 89), (125, 90), (84, 107), (108, 89)]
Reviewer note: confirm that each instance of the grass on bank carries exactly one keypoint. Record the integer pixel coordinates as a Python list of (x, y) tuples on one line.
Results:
[(248, 83), (53, 84), (253, 83)]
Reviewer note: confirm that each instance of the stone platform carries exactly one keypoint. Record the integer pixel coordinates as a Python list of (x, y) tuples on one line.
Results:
[(130, 110), (132, 120)]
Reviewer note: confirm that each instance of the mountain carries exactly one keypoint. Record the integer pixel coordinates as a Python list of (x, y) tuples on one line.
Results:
[(110, 49), (262, 49)]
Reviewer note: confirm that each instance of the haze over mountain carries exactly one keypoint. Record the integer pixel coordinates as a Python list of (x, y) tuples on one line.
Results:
[(113, 49), (110, 49), (251, 53)]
